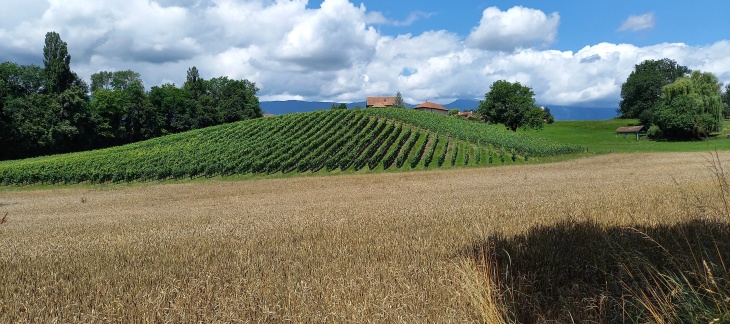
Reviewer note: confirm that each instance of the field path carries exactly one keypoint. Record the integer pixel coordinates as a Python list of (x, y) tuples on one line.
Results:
[(344, 248)]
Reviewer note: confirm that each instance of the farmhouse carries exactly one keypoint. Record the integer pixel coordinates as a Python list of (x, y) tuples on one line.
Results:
[(379, 102), (468, 115), (432, 107), (626, 130)]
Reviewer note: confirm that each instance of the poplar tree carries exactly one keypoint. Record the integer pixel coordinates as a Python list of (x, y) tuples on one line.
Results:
[(57, 64)]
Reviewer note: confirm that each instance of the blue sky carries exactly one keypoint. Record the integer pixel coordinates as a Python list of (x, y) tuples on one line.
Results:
[(582, 23), (570, 52)]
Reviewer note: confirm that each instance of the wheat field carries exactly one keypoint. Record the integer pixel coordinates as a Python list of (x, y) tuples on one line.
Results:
[(352, 248)]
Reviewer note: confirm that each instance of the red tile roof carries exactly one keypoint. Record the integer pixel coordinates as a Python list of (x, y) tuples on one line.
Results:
[(431, 105), (380, 102)]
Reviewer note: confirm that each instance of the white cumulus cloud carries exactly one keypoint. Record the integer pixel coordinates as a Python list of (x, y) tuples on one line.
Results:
[(333, 53), (518, 27)]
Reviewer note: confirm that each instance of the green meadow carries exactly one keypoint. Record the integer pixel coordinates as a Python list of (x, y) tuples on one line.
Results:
[(599, 137)]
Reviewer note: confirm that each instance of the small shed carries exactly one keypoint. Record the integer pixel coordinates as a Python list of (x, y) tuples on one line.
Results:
[(626, 130)]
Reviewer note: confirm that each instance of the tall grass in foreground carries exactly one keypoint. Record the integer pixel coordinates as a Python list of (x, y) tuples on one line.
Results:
[(357, 248), (480, 281), (584, 271)]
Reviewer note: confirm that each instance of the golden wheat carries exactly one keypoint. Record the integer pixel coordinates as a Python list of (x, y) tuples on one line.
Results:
[(377, 247)]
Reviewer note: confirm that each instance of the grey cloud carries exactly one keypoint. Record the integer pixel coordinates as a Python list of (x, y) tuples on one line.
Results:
[(150, 55), (186, 3), (591, 59), (16, 12), (20, 56)]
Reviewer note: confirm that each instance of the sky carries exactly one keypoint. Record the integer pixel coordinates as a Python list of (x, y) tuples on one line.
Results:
[(569, 52)]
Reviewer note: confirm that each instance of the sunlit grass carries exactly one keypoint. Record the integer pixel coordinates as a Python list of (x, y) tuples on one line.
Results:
[(600, 137), (385, 247)]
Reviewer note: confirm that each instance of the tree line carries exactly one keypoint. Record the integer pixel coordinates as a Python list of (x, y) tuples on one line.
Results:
[(50, 109), (674, 101)]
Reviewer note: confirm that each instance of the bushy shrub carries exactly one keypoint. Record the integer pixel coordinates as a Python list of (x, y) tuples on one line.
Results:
[(680, 119), (654, 132)]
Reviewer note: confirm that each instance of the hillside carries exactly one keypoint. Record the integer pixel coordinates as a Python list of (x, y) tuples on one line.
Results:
[(321, 141)]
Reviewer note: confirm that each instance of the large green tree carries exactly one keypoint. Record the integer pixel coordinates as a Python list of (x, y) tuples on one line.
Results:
[(47, 123), (57, 64), (43, 111), (511, 104), (16, 83), (690, 107), (194, 83), (20, 80), (119, 103), (172, 105), (234, 99), (643, 88)]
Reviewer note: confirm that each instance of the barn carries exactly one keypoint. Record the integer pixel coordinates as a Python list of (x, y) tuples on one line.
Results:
[(432, 107), (379, 102)]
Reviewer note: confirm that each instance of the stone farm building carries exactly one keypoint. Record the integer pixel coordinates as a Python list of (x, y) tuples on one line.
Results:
[(379, 102), (432, 107)]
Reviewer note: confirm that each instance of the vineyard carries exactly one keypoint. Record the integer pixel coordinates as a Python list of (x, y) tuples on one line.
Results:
[(327, 140), (477, 132)]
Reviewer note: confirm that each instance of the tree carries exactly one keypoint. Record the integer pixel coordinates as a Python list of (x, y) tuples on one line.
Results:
[(548, 116), (232, 100), (45, 123), (678, 119), (691, 107), (57, 64), (101, 80), (511, 104), (20, 80), (118, 102), (726, 101), (336, 106), (43, 111), (172, 105), (398, 103), (16, 82), (643, 88), (194, 83)]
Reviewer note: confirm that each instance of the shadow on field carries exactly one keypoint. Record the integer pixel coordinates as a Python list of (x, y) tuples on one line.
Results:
[(584, 271)]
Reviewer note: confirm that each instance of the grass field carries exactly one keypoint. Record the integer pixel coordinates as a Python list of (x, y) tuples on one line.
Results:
[(388, 247), (599, 137)]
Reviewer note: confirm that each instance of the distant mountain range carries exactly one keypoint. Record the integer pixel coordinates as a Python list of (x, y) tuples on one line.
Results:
[(559, 112)]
